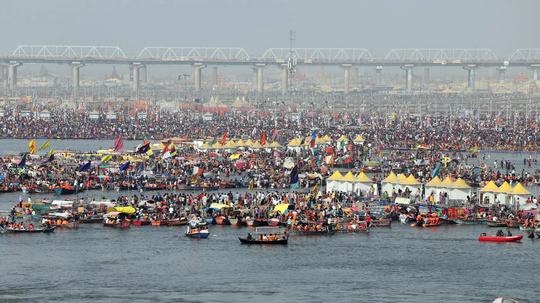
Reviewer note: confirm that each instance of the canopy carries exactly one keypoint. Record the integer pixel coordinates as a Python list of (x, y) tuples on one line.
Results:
[(218, 206), (401, 178), (460, 184), (446, 182), (410, 181), (489, 187), (256, 145), (348, 177), (520, 190), (326, 138), (505, 188), (363, 178), (293, 142), (342, 138), (391, 178), (336, 176), (126, 210), (248, 143), (240, 143), (400, 200), (435, 182), (281, 208), (359, 139), (275, 144)]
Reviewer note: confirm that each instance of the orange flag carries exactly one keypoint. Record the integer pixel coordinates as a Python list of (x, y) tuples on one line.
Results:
[(224, 138)]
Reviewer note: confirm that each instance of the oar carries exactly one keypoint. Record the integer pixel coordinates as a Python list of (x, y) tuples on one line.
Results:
[(294, 242), (377, 227)]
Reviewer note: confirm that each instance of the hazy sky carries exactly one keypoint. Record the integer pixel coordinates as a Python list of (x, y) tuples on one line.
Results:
[(256, 25)]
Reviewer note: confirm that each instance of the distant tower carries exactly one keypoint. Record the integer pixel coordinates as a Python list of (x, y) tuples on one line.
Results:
[(114, 75)]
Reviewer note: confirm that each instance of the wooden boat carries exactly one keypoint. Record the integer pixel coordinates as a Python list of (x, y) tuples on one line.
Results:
[(72, 224), (274, 222), (123, 224), (256, 222), (64, 191), (496, 224), (512, 224), (446, 221), (177, 222), (323, 232), (431, 224), (141, 222), (356, 230), (194, 188), (253, 241), (222, 220), (227, 184), (470, 221), (160, 222), (93, 219), (483, 237), (31, 231), (197, 231), (236, 222), (382, 223)]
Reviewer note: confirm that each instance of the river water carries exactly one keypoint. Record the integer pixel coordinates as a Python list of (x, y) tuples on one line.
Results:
[(159, 264)]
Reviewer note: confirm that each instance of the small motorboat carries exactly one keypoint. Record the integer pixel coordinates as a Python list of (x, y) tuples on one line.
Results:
[(253, 241), (196, 230), (30, 231), (496, 223), (484, 237), (141, 222)]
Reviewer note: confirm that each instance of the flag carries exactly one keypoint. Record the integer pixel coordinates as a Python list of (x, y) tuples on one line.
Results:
[(303, 141), (277, 154), (224, 138), (145, 141), (85, 166), (166, 148), (120, 159), (32, 146), (166, 155), (119, 144), (173, 151), (197, 171), (274, 134), (143, 149), (315, 190), (251, 185), (125, 166), (347, 160), (475, 149), (106, 158), (314, 135), (436, 171), (44, 146), (51, 157), (294, 177), (263, 138), (23, 161), (150, 152), (212, 142), (194, 179), (329, 159), (51, 152)]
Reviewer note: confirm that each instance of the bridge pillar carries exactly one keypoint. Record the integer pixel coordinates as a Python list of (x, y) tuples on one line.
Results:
[(254, 76), (426, 76), (500, 74), (75, 73), (144, 75), (12, 74), (355, 75), (260, 83), (284, 78), (408, 77), (471, 79), (214, 76), (346, 70), (136, 76), (534, 68), (198, 76), (378, 74)]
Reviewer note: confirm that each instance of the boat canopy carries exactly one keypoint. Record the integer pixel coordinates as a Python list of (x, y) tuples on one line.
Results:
[(281, 208), (218, 206), (126, 210)]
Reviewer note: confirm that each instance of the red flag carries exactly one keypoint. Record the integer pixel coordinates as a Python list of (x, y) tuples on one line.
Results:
[(274, 134), (118, 144), (263, 138), (224, 138)]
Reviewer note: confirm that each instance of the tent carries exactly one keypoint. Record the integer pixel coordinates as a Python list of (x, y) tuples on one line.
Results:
[(388, 183), (489, 191), (503, 193), (459, 190), (346, 183), (332, 183), (362, 183), (411, 183), (359, 139)]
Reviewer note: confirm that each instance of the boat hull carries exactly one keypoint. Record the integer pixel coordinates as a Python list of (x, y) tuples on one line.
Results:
[(141, 222), (33, 231), (277, 242), (496, 224), (500, 239), (198, 235)]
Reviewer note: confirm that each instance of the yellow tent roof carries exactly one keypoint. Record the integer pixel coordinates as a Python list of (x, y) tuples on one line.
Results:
[(326, 138), (505, 188), (230, 144), (490, 187), (460, 184), (256, 145), (275, 144), (248, 142), (205, 146), (240, 143), (401, 178), (293, 142), (217, 145), (359, 139), (520, 190), (161, 146), (411, 181), (446, 182), (363, 178), (320, 141), (336, 176), (391, 178), (342, 138), (348, 177), (435, 182)]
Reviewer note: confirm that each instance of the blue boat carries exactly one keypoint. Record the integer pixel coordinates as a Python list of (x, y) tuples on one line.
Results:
[(211, 220), (197, 231), (64, 191)]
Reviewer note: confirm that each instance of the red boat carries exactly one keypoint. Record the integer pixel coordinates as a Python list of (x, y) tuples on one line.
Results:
[(141, 222), (483, 237), (382, 222), (160, 223), (221, 220)]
